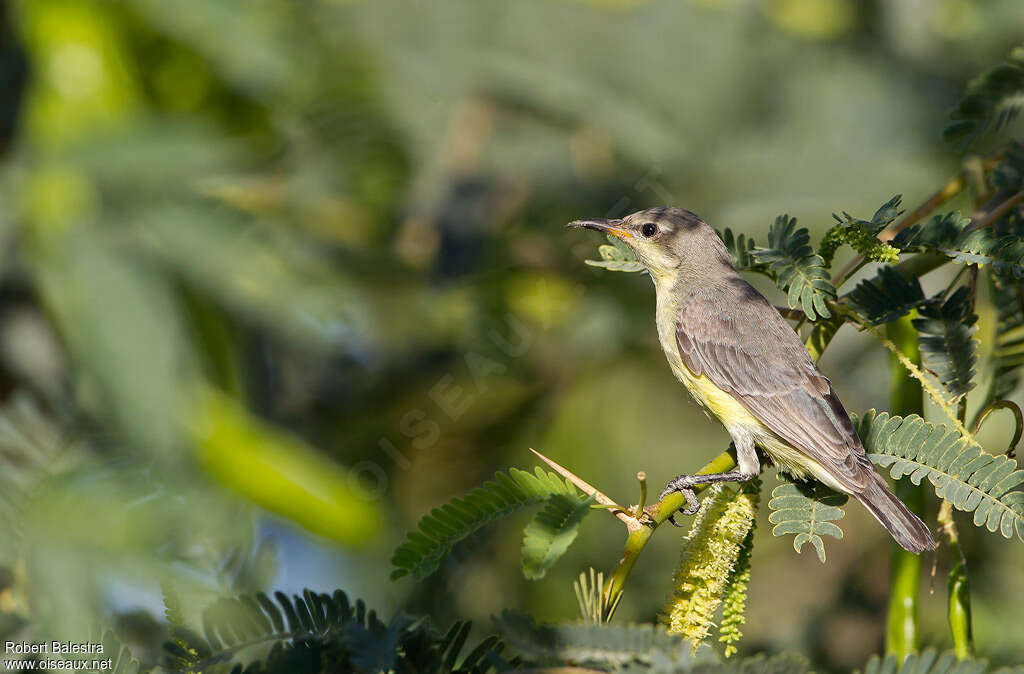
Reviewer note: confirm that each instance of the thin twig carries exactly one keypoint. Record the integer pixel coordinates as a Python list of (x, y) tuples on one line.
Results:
[(926, 384), (998, 212)]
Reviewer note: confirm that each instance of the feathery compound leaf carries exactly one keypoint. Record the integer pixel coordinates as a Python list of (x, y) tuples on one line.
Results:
[(710, 552), (972, 480), (946, 335), (938, 231), (616, 257), (742, 250), (860, 234), (1009, 351), (551, 532), (886, 297), (1008, 174), (1003, 252), (1000, 247), (122, 661), (797, 269), (993, 99), (232, 624), (423, 549), (930, 661), (809, 511), (316, 626), (585, 643)]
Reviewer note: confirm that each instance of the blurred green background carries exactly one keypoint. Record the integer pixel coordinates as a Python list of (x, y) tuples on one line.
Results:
[(279, 276)]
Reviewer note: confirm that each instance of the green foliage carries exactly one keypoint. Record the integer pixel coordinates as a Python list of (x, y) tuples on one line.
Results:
[(996, 246), (1008, 174), (742, 249), (946, 336), (551, 532), (938, 231), (437, 532), (616, 257), (784, 663), (1008, 355), (809, 511), (604, 646), (627, 648), (886, 297), (930, 661), (122, 660), (797, 269), (960, 472), (861, 234), (993, 99), (319, 632), (988, 247)]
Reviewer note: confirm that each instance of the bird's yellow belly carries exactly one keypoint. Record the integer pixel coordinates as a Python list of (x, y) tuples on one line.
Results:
[(733, 415)]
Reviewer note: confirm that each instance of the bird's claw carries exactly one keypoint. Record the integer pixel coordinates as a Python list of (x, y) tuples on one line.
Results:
[(684, 485)]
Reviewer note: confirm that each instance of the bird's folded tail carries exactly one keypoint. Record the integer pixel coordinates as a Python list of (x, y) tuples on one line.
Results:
[(907, 528)]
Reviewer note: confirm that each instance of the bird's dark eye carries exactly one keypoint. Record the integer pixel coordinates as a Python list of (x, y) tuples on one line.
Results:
[(649, 229)]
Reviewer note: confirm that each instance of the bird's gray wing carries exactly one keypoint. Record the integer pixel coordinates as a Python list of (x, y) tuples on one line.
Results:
[(747, 349)]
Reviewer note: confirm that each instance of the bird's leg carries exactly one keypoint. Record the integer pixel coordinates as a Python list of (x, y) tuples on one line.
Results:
[(747, 468)]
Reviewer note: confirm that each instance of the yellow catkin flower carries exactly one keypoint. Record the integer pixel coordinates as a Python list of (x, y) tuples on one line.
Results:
[(710, 550), (734, 602)]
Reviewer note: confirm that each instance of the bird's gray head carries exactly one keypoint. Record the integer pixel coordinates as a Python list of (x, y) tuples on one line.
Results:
[(670, 242)]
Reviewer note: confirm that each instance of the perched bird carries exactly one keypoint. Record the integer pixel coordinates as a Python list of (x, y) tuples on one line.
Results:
[(743, 363)]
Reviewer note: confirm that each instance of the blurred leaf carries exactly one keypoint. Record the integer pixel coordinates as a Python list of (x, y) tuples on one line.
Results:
[(257, 268), (436, 533), (121, 324), (930, 661), (551, 531), (281, 473), (993, 99), (87, 87), (585, 643), (122, 661)]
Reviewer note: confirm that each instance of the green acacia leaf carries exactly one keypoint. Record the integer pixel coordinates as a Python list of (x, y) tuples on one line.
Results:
[(808, 511), (798, 270), (960, 472), (992, 100), (946, 337), (551, 532), (423, 549), (886, 297)]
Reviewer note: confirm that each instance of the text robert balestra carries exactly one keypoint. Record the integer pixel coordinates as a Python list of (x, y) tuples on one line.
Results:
[(52, 647)]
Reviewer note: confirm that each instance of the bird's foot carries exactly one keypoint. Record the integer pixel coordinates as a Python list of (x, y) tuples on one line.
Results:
[(684, 485)]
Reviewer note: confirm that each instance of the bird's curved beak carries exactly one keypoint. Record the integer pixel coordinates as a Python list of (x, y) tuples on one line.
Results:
[(613, 227)]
